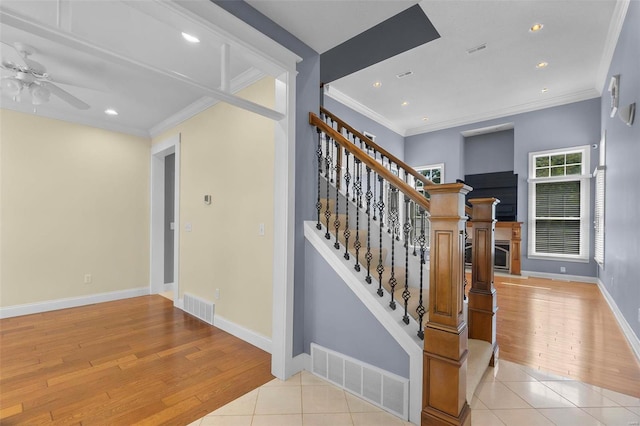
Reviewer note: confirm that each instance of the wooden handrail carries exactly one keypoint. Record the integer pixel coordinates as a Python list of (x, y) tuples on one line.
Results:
[(401, 164), (370, 162)]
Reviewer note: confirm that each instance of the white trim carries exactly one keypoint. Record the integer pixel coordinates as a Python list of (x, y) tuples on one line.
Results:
[(283, 228), (557, 277), (302, 362), (633, 340), (159, 151), (348, 101), (615, 27), (71, 302), (256, 339), (411, 344), (243, 81)]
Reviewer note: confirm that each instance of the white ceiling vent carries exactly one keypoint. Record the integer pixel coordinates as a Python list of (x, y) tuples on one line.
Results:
[(477, 48), (404, 74)]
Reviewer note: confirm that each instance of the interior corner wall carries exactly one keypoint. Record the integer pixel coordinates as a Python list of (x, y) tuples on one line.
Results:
[(622, 197), (386, 138), (562, 126), (227, 152), (75, 201)]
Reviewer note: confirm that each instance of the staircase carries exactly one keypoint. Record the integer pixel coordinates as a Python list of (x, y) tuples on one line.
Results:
[(370, 215)]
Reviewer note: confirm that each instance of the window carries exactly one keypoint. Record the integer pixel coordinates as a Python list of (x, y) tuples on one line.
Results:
[(559, 204), (435, 173)]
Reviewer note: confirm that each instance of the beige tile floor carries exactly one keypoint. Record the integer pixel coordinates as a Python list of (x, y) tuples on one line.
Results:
[(508, 395)]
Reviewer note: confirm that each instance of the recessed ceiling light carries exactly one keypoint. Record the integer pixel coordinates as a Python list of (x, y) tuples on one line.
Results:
[(110, 111), (544, 90), (541, 65), (405, 103), (190, 38), (425, 118), (377, 84), (536, 27)]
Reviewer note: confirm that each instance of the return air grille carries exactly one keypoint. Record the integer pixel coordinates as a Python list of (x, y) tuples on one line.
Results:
[(199, 308), (382, 388)]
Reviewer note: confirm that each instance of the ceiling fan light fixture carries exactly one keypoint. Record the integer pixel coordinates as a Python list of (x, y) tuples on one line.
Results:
[(111, 111), (541, 65), (39, 95), (11, 86), (190, 38)]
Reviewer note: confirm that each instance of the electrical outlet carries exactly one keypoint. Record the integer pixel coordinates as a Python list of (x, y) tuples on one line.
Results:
[(261, 229), (563, 270), (87, 278), (217, 295)]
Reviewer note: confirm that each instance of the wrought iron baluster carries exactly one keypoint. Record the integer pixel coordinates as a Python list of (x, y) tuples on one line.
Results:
[(420, 310), (374, 188), (393, 225), (357, 190), (336, 222), (319, 155), (327, 175), (347, 231), (406, 294), (380, 267), (369, 196)]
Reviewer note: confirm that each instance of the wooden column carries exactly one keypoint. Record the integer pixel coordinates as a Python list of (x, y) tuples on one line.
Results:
[(483, 303), (445, 336), (514, 248)]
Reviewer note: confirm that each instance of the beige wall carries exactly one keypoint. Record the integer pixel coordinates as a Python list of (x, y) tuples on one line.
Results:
[(228, 153), (74, 201)]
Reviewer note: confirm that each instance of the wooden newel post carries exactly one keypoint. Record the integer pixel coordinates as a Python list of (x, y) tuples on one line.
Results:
[(483, 303), (445, 337)]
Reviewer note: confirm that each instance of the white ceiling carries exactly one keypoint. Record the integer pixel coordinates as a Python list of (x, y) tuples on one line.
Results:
[(130, 56)]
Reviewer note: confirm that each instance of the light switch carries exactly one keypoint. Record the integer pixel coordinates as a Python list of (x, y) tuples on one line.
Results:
[(187, 227), (261, 229)]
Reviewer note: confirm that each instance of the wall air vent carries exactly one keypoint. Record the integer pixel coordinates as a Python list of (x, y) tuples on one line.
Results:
[(477, 48), (404, 74), (199, 308)]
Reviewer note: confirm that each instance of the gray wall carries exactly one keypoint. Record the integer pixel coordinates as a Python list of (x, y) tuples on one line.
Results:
[(558, 127), (335, 318), (388, 139), (622, 203), (307, 99), (488, 153)]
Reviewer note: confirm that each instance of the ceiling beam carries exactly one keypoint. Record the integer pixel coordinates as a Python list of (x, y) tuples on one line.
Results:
[(18, 21)]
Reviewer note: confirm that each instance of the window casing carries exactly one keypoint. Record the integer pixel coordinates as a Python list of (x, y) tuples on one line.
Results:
[(435, 173), (559, 204)]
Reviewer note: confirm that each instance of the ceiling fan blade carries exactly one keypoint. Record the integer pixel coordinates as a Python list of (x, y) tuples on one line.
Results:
[(64, 95), (35, 66), (10, 55)]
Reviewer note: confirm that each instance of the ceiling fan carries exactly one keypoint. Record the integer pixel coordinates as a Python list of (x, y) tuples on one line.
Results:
[(29, 75)]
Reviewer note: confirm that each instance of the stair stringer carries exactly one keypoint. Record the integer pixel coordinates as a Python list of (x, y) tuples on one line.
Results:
[(404, 335)]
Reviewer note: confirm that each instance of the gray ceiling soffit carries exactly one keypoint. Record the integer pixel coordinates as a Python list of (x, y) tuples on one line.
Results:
[(404, 31)]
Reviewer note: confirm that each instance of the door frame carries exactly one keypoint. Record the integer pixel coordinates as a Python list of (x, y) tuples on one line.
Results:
[(159, 152)]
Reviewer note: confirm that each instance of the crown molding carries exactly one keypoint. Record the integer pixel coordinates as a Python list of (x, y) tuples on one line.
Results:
[(615, 28), (568, 98), (348, 101), (242, 81)]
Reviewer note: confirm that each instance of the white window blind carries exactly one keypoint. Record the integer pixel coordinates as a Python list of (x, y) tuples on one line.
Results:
[(598, 221), (558, 217)]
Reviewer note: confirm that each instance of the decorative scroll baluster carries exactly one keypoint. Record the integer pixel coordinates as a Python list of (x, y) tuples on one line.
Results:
[(327, 175), (374, 188), (422, 240), (380, 267), (347, 232), (336, 222), (406, 294), (319, 155), (393, 225), (369, 196), (414, 230), (357, 190)]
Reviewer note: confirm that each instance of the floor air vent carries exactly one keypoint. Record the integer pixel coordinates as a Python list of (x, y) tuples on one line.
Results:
[(199, 308), (382, 388)]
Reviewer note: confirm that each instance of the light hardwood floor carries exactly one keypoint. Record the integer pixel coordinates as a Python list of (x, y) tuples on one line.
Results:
[(132, 361), (566, 328)]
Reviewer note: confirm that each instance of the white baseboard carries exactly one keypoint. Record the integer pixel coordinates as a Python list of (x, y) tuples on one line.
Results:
[(249, 336), (70, 302), (633, 340), (560, 277)]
